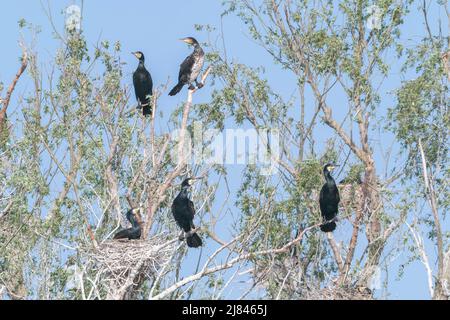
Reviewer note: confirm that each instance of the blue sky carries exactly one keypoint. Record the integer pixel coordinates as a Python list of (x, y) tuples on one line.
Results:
[(154, 27)]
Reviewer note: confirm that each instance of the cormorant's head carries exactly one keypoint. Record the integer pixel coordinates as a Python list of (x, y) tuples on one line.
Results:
[(189, 182), (134, 215), (139, 55), (329, 168), (191, 41)]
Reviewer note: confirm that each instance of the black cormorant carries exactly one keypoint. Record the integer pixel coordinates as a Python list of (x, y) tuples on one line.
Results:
[(183, 211), (143, 85), (190, 68), (134, 232), (329, 200)]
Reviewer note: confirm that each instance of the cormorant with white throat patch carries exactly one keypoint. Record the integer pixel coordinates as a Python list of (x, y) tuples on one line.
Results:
[(143, 85), (183, 211), (134, 232), (190, 68), (329, 200)]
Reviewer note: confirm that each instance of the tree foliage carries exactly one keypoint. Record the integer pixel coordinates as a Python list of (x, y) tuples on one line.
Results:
[(76, 154)]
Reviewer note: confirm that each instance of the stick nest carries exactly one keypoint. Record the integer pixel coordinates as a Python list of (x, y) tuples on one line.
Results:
[(123, 264), (340, 293)]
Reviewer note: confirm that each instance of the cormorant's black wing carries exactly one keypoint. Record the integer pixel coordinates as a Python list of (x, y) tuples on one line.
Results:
[(131, 234), (186, 69), (123, 234), (337, 197), (322, 200), (143, 85), (191, 209)]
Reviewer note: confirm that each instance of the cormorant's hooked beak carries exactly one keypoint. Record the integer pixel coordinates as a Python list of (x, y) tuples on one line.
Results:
[(187, 40), (194, 180), (137, 55), (334, 166)]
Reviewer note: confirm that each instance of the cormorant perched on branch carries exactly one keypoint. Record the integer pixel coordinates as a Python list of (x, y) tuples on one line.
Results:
[(143, 85), (183, 211), (134, 232), (329, 200), (190, 68)]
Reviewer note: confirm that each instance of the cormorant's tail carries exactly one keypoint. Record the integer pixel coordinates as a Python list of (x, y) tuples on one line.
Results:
[(194, 241), (176, 89), (328, 227)]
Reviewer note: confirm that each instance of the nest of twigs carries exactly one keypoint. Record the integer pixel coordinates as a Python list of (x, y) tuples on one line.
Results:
[(341, 293), (286, 274), (122, 265)]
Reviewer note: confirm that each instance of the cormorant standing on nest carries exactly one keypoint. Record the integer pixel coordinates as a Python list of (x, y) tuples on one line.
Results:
[(329, 200), (183, 211), (134, 232), (190, 68), (143, 85)]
